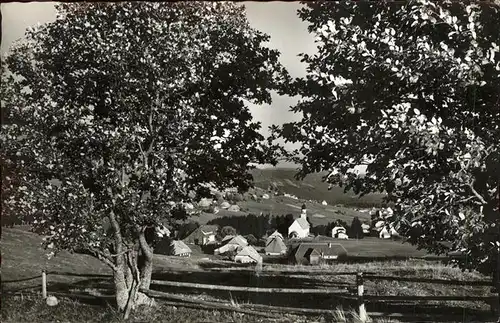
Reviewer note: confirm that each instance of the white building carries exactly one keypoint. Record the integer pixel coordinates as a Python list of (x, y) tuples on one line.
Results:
[(300, 227), (231, 243), (248, 255)]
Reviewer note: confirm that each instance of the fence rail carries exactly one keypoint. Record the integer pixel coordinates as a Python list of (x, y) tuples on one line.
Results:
[(249, 289), (356, 291), (429, 280)]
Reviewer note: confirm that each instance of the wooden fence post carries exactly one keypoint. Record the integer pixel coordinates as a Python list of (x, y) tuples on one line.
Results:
[(44, 284), (361, 301)]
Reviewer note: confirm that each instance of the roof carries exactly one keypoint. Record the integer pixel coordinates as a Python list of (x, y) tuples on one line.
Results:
[(208, 229), (249, 251), (275, 235), (239, 240), (275, 245), (180, 247), (227, 238), (203, 230), (303, 223), (327, 248), (312, 252)]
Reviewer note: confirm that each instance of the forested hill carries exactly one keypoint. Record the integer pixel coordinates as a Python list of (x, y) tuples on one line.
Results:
[(311, 188)]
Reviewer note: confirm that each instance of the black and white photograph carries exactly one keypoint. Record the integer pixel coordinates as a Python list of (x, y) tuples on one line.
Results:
[(250, 161)]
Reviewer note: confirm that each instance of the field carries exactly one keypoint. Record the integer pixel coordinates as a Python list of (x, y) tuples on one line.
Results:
[(22, 257), (311, 187)]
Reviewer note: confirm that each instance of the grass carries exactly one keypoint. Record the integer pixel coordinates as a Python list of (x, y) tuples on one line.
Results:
[(28, 260), (311, 187), (33, 309)]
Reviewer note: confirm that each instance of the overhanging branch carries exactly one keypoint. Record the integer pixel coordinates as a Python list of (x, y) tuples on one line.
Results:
[(476, 194)]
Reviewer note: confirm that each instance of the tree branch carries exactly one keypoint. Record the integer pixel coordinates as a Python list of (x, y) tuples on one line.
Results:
[(116, 231), (102, 257), (148, 253), (476, 194)]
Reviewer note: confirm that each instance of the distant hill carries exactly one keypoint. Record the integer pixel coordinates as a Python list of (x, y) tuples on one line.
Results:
[(311, 188)]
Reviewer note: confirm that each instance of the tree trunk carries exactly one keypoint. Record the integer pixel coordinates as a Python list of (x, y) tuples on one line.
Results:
[(146, 272), (121, 288)]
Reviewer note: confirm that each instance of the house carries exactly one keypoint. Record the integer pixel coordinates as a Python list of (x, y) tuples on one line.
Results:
[(203, 235), (338, 230), (248, 255), (180, 249), (342, 236), (274, 235), (162, 231), (317, 252), (231, 243), (384, 233), (300, 227), (275, 246)]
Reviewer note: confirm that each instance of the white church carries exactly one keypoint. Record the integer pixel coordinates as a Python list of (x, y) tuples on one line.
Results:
[(300, 228)]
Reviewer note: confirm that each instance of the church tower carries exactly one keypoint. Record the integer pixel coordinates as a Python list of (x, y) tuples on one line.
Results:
[(303, 213)]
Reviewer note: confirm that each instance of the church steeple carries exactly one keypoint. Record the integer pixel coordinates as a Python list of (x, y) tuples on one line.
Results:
[(303, 213)]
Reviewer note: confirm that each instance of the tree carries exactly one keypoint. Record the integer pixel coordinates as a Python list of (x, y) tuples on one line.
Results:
[(131, 108), (251, 239), (412, 90), (356, 230), (226, 231)]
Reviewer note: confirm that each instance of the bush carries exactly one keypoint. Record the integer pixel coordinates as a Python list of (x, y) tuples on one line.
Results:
[(252, 240), (356, 230), (234, 197), (226, 231)]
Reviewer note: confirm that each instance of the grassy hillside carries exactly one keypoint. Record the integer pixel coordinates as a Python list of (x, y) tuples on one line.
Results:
[(311, 188), (23, 257)]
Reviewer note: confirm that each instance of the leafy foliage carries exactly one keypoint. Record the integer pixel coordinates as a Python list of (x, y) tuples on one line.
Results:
[(226, 231), (120, 112), (411, 89)]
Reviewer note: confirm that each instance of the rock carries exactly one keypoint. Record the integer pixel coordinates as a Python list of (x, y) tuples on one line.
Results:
[(265, 196), (225, 205), (324, 203), (52, 301), (143, 299), (189, 206), (253, 197), (234, 208)]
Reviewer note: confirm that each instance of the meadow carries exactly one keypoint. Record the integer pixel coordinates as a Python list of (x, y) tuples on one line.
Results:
[(23, 257)]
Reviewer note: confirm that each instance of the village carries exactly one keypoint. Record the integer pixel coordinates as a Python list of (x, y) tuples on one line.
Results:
[(298, 246), (197, 161)]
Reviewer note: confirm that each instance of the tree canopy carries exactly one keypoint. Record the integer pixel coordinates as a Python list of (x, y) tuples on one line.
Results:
[(118, 113), (412, 90)]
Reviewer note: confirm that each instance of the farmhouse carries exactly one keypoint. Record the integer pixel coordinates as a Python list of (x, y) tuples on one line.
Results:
[(274, 235), (203, 235), (300, 227), (275, 246), (248, 255), (180, 249), (339, 232), (317, 252), (230, 243)]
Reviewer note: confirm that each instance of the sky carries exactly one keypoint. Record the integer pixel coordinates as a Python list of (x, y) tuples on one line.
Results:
[(278, 19)]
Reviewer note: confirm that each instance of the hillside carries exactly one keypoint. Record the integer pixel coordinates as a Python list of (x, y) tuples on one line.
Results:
[(311, 188)]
